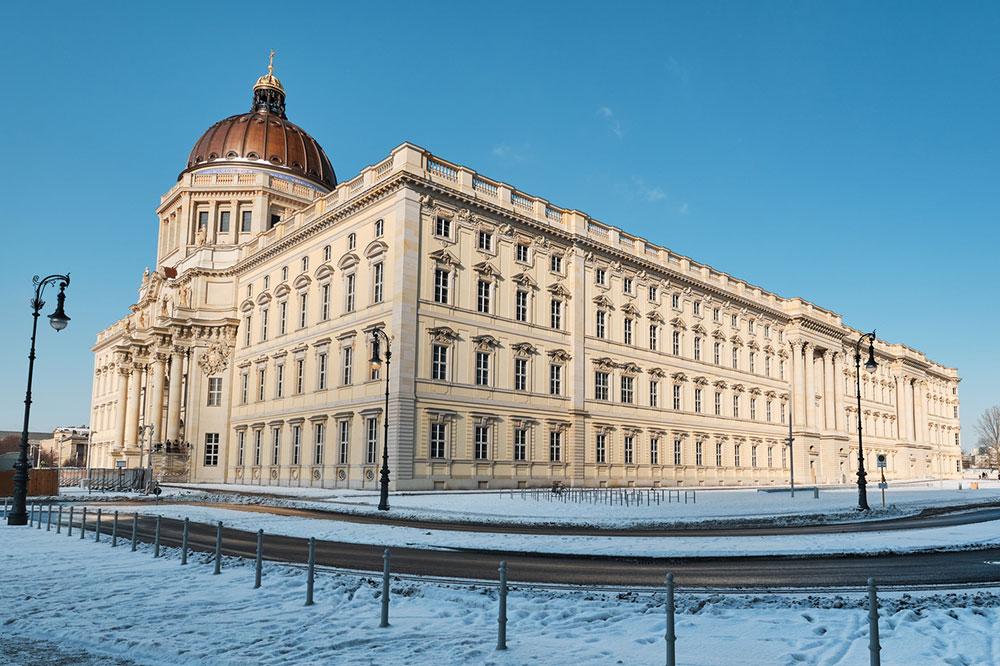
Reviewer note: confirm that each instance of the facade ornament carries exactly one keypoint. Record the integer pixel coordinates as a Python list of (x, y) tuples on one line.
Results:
[(215, 358), (201, 236), (559, 355), (442, 334), (522, 349), (485, 342)]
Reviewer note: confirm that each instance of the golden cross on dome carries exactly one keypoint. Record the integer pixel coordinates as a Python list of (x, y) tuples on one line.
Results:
[(270, 66)]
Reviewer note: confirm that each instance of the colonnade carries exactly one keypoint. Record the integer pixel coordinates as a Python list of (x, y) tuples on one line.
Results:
[(152, 369), (806, 389)]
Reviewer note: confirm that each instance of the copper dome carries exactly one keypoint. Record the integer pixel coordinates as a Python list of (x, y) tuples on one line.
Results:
[(264, 136)]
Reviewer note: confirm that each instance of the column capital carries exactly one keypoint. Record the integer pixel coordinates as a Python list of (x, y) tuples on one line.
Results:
[(828, 354)]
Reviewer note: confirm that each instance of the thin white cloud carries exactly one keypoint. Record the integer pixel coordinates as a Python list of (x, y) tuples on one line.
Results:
[(649, 192), (508, 152), (616, 126), (683, 210)]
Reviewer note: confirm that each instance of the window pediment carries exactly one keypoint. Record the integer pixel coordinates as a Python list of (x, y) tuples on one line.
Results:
[(719, 383), (558, 289), (603, 301), (485, 342), (247, 305), (375, 248), (559, 355), (630, 368), (657, 372), (302, 282), (677, 322), (526, 280), (604, 363), (629, 308), (263, 298), (486, 268), (524, 349), (739, 388), (699, 329), (282, 290), (442, 334), (718, 334), (655, 316), (701, 381), (736, 340), (445, 258), (347, 261), (323, 271), (679, 377)]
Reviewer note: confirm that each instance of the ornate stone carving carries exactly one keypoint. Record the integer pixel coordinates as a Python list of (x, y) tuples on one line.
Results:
[(215, 358)]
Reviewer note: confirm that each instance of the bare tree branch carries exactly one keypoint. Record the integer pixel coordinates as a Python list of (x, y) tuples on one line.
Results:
[(988, 434)]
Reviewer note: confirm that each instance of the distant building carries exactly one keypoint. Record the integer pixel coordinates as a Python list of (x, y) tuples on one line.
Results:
[(68, 445)]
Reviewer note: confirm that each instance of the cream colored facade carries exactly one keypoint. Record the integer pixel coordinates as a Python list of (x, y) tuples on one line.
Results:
[(530, 344)]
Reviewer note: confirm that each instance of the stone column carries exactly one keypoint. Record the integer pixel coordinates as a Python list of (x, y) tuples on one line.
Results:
[(123, 393), (131, 437), (830, 391), (174, 395), (909, 421), (838, 391), (155, 416), (900, 408), (921, 388), (810, 394), (798, 385)]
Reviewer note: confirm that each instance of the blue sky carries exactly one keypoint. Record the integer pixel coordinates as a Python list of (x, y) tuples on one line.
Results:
[(843, 152)]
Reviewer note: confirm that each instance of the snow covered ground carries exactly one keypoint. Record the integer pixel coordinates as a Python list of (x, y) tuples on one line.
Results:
[(113, 604), (978, 535)]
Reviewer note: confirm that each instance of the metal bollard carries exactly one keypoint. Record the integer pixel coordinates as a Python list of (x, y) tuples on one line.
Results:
[(5, 508), (670, 637), (873, 644), (259, 564), (83, 523), (69, 530), (502, 611), (48, 520), (815, 493), (218, 549), (97, 532), (39, 525), (386, 556), (31, 515), (59, 520), (135, 524), (184, 543), (310, 576), (156, 539), (114, 531)]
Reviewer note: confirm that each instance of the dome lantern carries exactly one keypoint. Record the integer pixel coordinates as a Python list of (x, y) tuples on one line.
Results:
[(268, 93)]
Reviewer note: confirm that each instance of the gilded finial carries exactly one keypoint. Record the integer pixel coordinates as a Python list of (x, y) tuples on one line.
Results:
[(270, 65)]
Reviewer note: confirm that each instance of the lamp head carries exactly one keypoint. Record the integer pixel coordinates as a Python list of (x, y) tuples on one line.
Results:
[(870, 364), (376, 359), (59, 319)]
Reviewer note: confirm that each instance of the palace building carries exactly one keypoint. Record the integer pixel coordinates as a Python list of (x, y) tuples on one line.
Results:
[(530, 343)]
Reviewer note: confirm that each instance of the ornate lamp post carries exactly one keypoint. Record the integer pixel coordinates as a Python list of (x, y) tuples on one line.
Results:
[(870, 366), (376, 363), (58, 320)]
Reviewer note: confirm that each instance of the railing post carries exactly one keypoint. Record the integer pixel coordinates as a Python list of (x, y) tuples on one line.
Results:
[(386, 556), (670, 637), (48, 519), (5, 508), (39, 525), (59, 521), (184, 543), (69, 530), (218, 549), (135, 525), (97, 532), (114, 531), (83, 523), (31, 515), (873, 642), (259, 564), (502, 611), (156, 539), (310, 576)]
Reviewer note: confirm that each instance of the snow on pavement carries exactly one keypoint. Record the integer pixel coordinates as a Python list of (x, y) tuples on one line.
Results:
[(95, 599)]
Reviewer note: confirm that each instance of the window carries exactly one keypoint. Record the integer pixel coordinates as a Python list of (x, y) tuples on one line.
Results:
[(784, 457), (371, 440), (224, 222), (348, 369), (214, 391), (676, 348), (442, 279), (716, 315), (677, 396), (601, 320), (279, 380), (300, 373), (767, 334), (521, 305), (654, 393), (601, 386), (781, 369), (628, 330), (482, 442), (654, 331), (327, 253), (956, 439), (627, 389), (352, 241), (379, 228), (520, 444), (556, 314), (247, 221), (241, 437), (211, 449), (675, 301), (753, 408), (321, 380), (654, 451), (697, 454), (521, 253), (555, 379), (770, 456), (248, 320), (244, 388), (345, 441), (442, 228), (349, 281), (697, 308), (296, 444), (781, 411), (263, 324), (717, 353), (555, 446), (203, 220), (954, 412), (718, 455), (736, 406), (305, 264), (267, 282), (736, 358), (767, 413), (324, 305), (485, 241), (751, 326), (601, 276), (483, 296), (303, 300), (437, 440), (652, 293), (781, 336), (284, 273), (697, 349), (377, 273), (677, 452), (627, 285), (260, 386), (282, 317), (318, 439), (718, 403), (736, 455), (697, 400), (257, 446), (629, 450), (482, 369), (275, 220), (601, 448), (439, 362), (520, 374), (275, 446), (753, 456), (753, 360), (767, 366), (556, 263), (732, 321)]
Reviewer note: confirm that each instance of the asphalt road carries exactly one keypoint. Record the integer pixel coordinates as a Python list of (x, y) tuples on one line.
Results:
[(754, 572)]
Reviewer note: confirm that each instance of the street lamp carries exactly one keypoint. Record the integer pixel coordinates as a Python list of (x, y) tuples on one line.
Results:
[(376, 363), (870, 366), (146, 431), (58, 320)]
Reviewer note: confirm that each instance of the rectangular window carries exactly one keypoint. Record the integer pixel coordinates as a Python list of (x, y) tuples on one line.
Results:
[(781, 369), (305, 264), (521, 253), (697, 349), (520, 374), (300, 375), (303, 300), (654, 451), (601, 448), (627, 285), (717, 353), (247, 221), (675, 301), (601, 276), (275, 220), (244, 388), (246, 330), (214, 391), (736, 455), (767, 366), (781, 410), (753, 456), (602, 318), (275, 446), (348, 373), (627, 389), (736, 406), (555, 263), (697, 308), (600, 386), (482, 369), (282, 317), (224, 222), (485, 241), (736, 358), (260, 385), (377, 272), (379, 228), (677, 396), (371, 440), (716, 315), (555, 380), (483, 296), (211, 449), (676, 346), (767, 334), (203, 220), (784, 457), (954, 412), (437, 440), (718, 404), (732, 321), (442, 280), (697, 454), (654, 393), (652, 293), (653, 333), (556, 314), (677, 452), (442, 228), (697, 400), (296, 444), (555, 446), (345, 441), (753, 360), (521, 305), (629, 450), (770, 456), (321, 380), (241, 438), (767, 411), (279, 381), (263, 324), (439, 362), (349, 281), (753, 408), (257, 446), (520, 444), (319, 439), (628, 331), (481, 438), (718, 455), (750, 326)]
